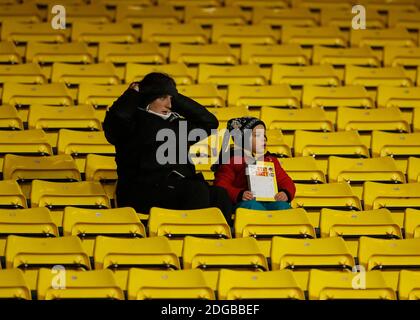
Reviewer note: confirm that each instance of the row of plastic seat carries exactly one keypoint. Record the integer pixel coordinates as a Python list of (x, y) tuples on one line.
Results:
[(191, 284), (137, 14)]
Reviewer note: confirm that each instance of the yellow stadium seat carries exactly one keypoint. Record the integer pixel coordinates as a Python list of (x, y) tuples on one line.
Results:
[(374, 77), (9, 118), (317, 5), (343, 19), (97, 284), (334, 285), (418, 78), (225, 114), (409, 285), (113, 4), (11, 195), (416, 120), (13, 285), (346, 96), (174, 33), (305, 254), (178, 71), (26, 142), (303, 170), (47, 53), (185, 3), (413, 169), (403, 98), (404, 19), (81, 143), (248, 4), (211, 254), (291, 54), (71, 74), (298, 76), (313, 197), (296, 119), (262, 96), (99, 96), (22, 12), (308, 37), (9, 53), (238, 35), (119, 53), (379, 254), (276, 17), (157, 284), (400, 56), (238, 285), (100, 168), (45, 3), (394, 197), (216, 15), (206, 94), (396, 145), (381, 38), (227, 75), (389, 119), (216, 53), (137, 14), (276, 144), (93, 13), (30, 73), (386, 7), (345, 56), (412, 223), (27, 94), (107, 32), (264, 225), (321, 144), (89, 223), (177, 224), (32, 32)]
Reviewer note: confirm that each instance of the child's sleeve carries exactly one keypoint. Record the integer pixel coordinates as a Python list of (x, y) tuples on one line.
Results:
[(224, 177), (284, 182)]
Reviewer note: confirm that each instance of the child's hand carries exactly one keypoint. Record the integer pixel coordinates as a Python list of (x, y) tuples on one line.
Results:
[(247, 195), (281, 196)]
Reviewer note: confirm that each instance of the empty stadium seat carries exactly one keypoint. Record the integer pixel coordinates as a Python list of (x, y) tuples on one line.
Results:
[(22, 12), (136, 52), (225, 114), (29, 73), (396, 145), (403, 98), (264, 225), (71, 74), (403, 18), (99, 96), (276, 144), (262, 96), (11, 195), (279, 17), (303, 170), (238, 285), (409, 285), (333, 285), (342, 19), (107, 32), (317, 5), (9, 118), (228, 75), (215, 53), (400, 56), (346, 96), (412, 223), (185, 3), (413, 169), (137, 14), (9, 53), (47, 53), (216, 15), (249, 4), (13, 285), (32, 32), (306, 37), (345, 56), (291, 54), (238, 35), (382, 37), (178, 71), (374, 77), (379, 254), (416, 120), (100, 168), (96, 284), (296, 119), (386, 7), (89, 223), (174, 33), (205, 94), (297, 76), (92, 13)]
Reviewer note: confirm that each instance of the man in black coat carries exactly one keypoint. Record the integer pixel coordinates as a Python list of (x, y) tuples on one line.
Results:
[(133, 125)]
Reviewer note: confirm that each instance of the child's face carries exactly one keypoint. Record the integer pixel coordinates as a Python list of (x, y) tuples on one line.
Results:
[(258, 140)]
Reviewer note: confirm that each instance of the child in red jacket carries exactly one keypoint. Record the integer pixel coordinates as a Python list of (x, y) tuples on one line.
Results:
[(249, 137)]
